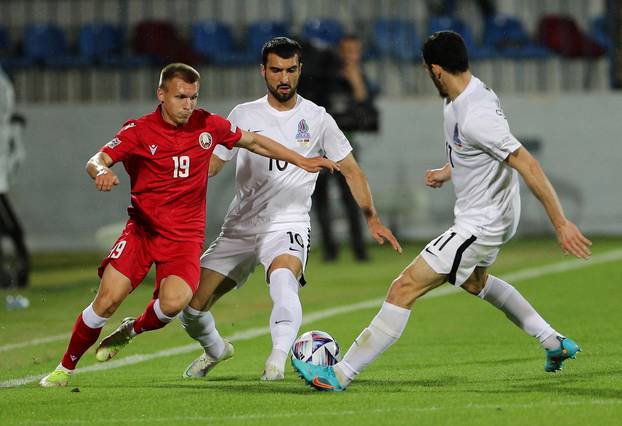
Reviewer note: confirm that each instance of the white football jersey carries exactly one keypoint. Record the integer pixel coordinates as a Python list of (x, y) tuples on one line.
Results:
[(271, 194), (478, 140)]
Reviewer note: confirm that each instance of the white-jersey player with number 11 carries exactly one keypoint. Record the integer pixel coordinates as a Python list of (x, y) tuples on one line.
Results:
[(268, 220)]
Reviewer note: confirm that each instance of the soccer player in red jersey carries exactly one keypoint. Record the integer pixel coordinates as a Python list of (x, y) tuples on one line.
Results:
[(166, 154)]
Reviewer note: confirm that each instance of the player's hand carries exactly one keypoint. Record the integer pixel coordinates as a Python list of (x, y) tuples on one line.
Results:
[(572, 241), (436, 177), (105, 180), (381, 233), (315, 164)]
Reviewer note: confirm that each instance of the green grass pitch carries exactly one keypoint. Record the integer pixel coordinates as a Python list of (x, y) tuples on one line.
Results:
[(460, 361)]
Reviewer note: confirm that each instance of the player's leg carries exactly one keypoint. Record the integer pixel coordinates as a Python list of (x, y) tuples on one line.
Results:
[(286, 315), (517, 309), (113, 289), (226, 264), (177, 278), (199, 323), (430, 269), (173, 295)]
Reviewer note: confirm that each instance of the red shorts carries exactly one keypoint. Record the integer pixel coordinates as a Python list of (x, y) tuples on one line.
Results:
[(136, 250)]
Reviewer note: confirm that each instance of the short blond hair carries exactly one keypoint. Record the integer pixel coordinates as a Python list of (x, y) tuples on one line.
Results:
[(178, 70)]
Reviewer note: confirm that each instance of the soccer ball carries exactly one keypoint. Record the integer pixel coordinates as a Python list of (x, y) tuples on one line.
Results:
[(316, 347)]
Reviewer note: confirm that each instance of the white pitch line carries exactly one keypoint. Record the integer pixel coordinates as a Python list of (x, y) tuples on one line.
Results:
[(34, 342), (326, 313)]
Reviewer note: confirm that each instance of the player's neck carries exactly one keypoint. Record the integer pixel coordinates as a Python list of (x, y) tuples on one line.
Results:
[(282, 106), (456, 84)]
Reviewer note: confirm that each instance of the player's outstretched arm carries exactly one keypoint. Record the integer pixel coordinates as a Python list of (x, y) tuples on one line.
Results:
[(98, 168), (359, 187), (267, 147), (570, 238), (435, 178)]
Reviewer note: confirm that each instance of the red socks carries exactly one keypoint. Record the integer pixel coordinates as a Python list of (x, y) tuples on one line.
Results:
[(82, 338)]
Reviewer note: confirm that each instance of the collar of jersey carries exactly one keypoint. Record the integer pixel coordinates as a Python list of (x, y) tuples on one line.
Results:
[(276, 112)]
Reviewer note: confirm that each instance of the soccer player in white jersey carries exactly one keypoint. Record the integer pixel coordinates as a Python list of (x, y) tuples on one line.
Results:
[(268, 220), (483, 161)]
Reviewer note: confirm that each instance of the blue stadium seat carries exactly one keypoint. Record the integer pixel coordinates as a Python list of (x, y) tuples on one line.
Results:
[(396, 38), (260, 32), (599, 32), (214, 40), (103, 43), (46, 44), (323, 32), (508, 37), (444, 23)]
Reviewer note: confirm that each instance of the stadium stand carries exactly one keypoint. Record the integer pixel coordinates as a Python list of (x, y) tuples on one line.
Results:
[(323, 32), (395, 38), (563, 35), (508, 37), (161, 43)]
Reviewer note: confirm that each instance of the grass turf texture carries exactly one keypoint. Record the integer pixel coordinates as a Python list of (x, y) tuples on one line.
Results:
[(459, 360)]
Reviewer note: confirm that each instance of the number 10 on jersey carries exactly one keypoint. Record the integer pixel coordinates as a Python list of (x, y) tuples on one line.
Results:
[(182, 166)]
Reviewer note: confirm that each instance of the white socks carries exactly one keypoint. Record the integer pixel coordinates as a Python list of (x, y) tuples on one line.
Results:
[(383, 331), (201, 327), (91, 319), (286, 315), (161, 315), (506, 298)]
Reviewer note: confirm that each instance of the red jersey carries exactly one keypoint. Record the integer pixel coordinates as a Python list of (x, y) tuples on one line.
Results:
[(168, 168)]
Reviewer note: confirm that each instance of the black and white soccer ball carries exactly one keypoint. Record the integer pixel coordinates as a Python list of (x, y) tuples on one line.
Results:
[(316, 347)]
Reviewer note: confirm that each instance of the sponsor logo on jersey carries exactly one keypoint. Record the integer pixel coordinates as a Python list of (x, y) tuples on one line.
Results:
[(113, 143), (205, 140), (153, 149), (456, 138), (127, 126), (303, 137)]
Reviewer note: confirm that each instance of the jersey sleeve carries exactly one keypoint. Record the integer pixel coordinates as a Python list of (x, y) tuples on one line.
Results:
[(220, 151), (334, 143), (227, 133), (123, 144), (490, 132)]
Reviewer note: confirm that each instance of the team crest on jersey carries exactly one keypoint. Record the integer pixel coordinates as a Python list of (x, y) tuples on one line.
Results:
[(457, 140), (205, 140), (303, 136), (113, 143)]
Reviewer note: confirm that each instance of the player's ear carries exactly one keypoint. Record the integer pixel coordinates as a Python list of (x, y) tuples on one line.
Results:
[(160, 94), (262, 69)]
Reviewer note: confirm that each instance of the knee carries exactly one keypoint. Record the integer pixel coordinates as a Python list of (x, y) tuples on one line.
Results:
[(171, 305), (106, 303), (475, 283), (404, 291)]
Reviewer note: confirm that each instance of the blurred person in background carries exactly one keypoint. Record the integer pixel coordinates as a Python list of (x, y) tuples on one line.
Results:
[(13, 271), (484, 160), (166, 154), (350, 100)]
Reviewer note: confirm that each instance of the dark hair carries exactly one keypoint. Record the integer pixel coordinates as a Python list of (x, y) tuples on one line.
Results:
[(183, 71), (283, 47), (447, 49)]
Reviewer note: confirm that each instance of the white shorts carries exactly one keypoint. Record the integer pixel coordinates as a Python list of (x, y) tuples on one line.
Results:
[(236, 257), (457, 255)]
